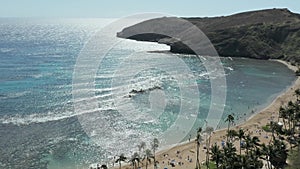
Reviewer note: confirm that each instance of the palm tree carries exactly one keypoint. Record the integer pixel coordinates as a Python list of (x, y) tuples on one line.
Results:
[(147, 157), (251, 142), (120, 159), (154, 146), (230, 120), (255, 141), (266, 153), (283, 116), (103, 166), (132, 161), (216, 155), (290, 113), (241, 135), (273, 128), (141, 146), (278, 153), (297, 93), (208, 131), (135, 159), (231, 134), (251, 160), (230, 157), (198, 140)]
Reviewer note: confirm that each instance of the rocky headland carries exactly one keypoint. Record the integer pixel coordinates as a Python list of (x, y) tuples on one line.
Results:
[(263, 34)]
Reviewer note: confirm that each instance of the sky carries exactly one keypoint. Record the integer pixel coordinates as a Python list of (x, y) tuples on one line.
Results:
[(122, 8)]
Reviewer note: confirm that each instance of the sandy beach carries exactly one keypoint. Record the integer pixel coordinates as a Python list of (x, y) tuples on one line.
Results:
[(184, 154)]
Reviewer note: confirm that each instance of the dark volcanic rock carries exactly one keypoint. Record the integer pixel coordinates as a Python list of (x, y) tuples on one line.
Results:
[(264, 34)]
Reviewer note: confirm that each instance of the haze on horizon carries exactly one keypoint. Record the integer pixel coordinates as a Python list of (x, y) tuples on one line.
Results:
[(117, 8)]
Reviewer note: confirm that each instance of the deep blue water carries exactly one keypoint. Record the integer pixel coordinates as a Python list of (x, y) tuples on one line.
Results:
[(38, 125)]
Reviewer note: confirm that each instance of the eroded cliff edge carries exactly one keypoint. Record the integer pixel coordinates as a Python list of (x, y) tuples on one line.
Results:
[(264, 34)]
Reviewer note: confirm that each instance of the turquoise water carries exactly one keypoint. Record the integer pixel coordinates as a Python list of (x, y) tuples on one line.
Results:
[(38, 125)]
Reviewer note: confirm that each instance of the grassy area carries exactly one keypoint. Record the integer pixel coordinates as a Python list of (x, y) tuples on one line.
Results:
[(266, 128), (294, 160), (212, 165)]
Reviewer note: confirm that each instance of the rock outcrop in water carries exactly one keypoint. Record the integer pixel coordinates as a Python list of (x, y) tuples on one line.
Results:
[(264, 34)]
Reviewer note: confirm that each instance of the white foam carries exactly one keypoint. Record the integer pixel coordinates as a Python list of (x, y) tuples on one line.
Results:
[(229, 68), (42, 117), (16, 95), (37, 76), (6, 50)]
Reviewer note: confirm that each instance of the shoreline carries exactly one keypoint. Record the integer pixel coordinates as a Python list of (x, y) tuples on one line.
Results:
[(282, 93), (253, 125), (185, 152), (264, 108)]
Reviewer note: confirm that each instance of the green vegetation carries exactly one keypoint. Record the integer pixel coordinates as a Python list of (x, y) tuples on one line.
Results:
[(148, 156), (211, 166), (121, 159), (250, 154), (144, 155), (208, 131), (263, 34), (198, 141), (154, 146), (266, 128), (227, 156)]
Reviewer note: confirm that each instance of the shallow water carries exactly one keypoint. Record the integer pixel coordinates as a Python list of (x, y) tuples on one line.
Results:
[(38, 125)]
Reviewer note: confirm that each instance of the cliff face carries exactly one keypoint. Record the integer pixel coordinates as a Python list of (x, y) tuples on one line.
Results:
[(265, 34)]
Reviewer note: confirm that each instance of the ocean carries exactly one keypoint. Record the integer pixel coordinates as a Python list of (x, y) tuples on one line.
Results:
[(39, 127)]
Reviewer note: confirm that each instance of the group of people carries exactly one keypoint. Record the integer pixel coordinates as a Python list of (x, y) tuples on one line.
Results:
[(173, 162)]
